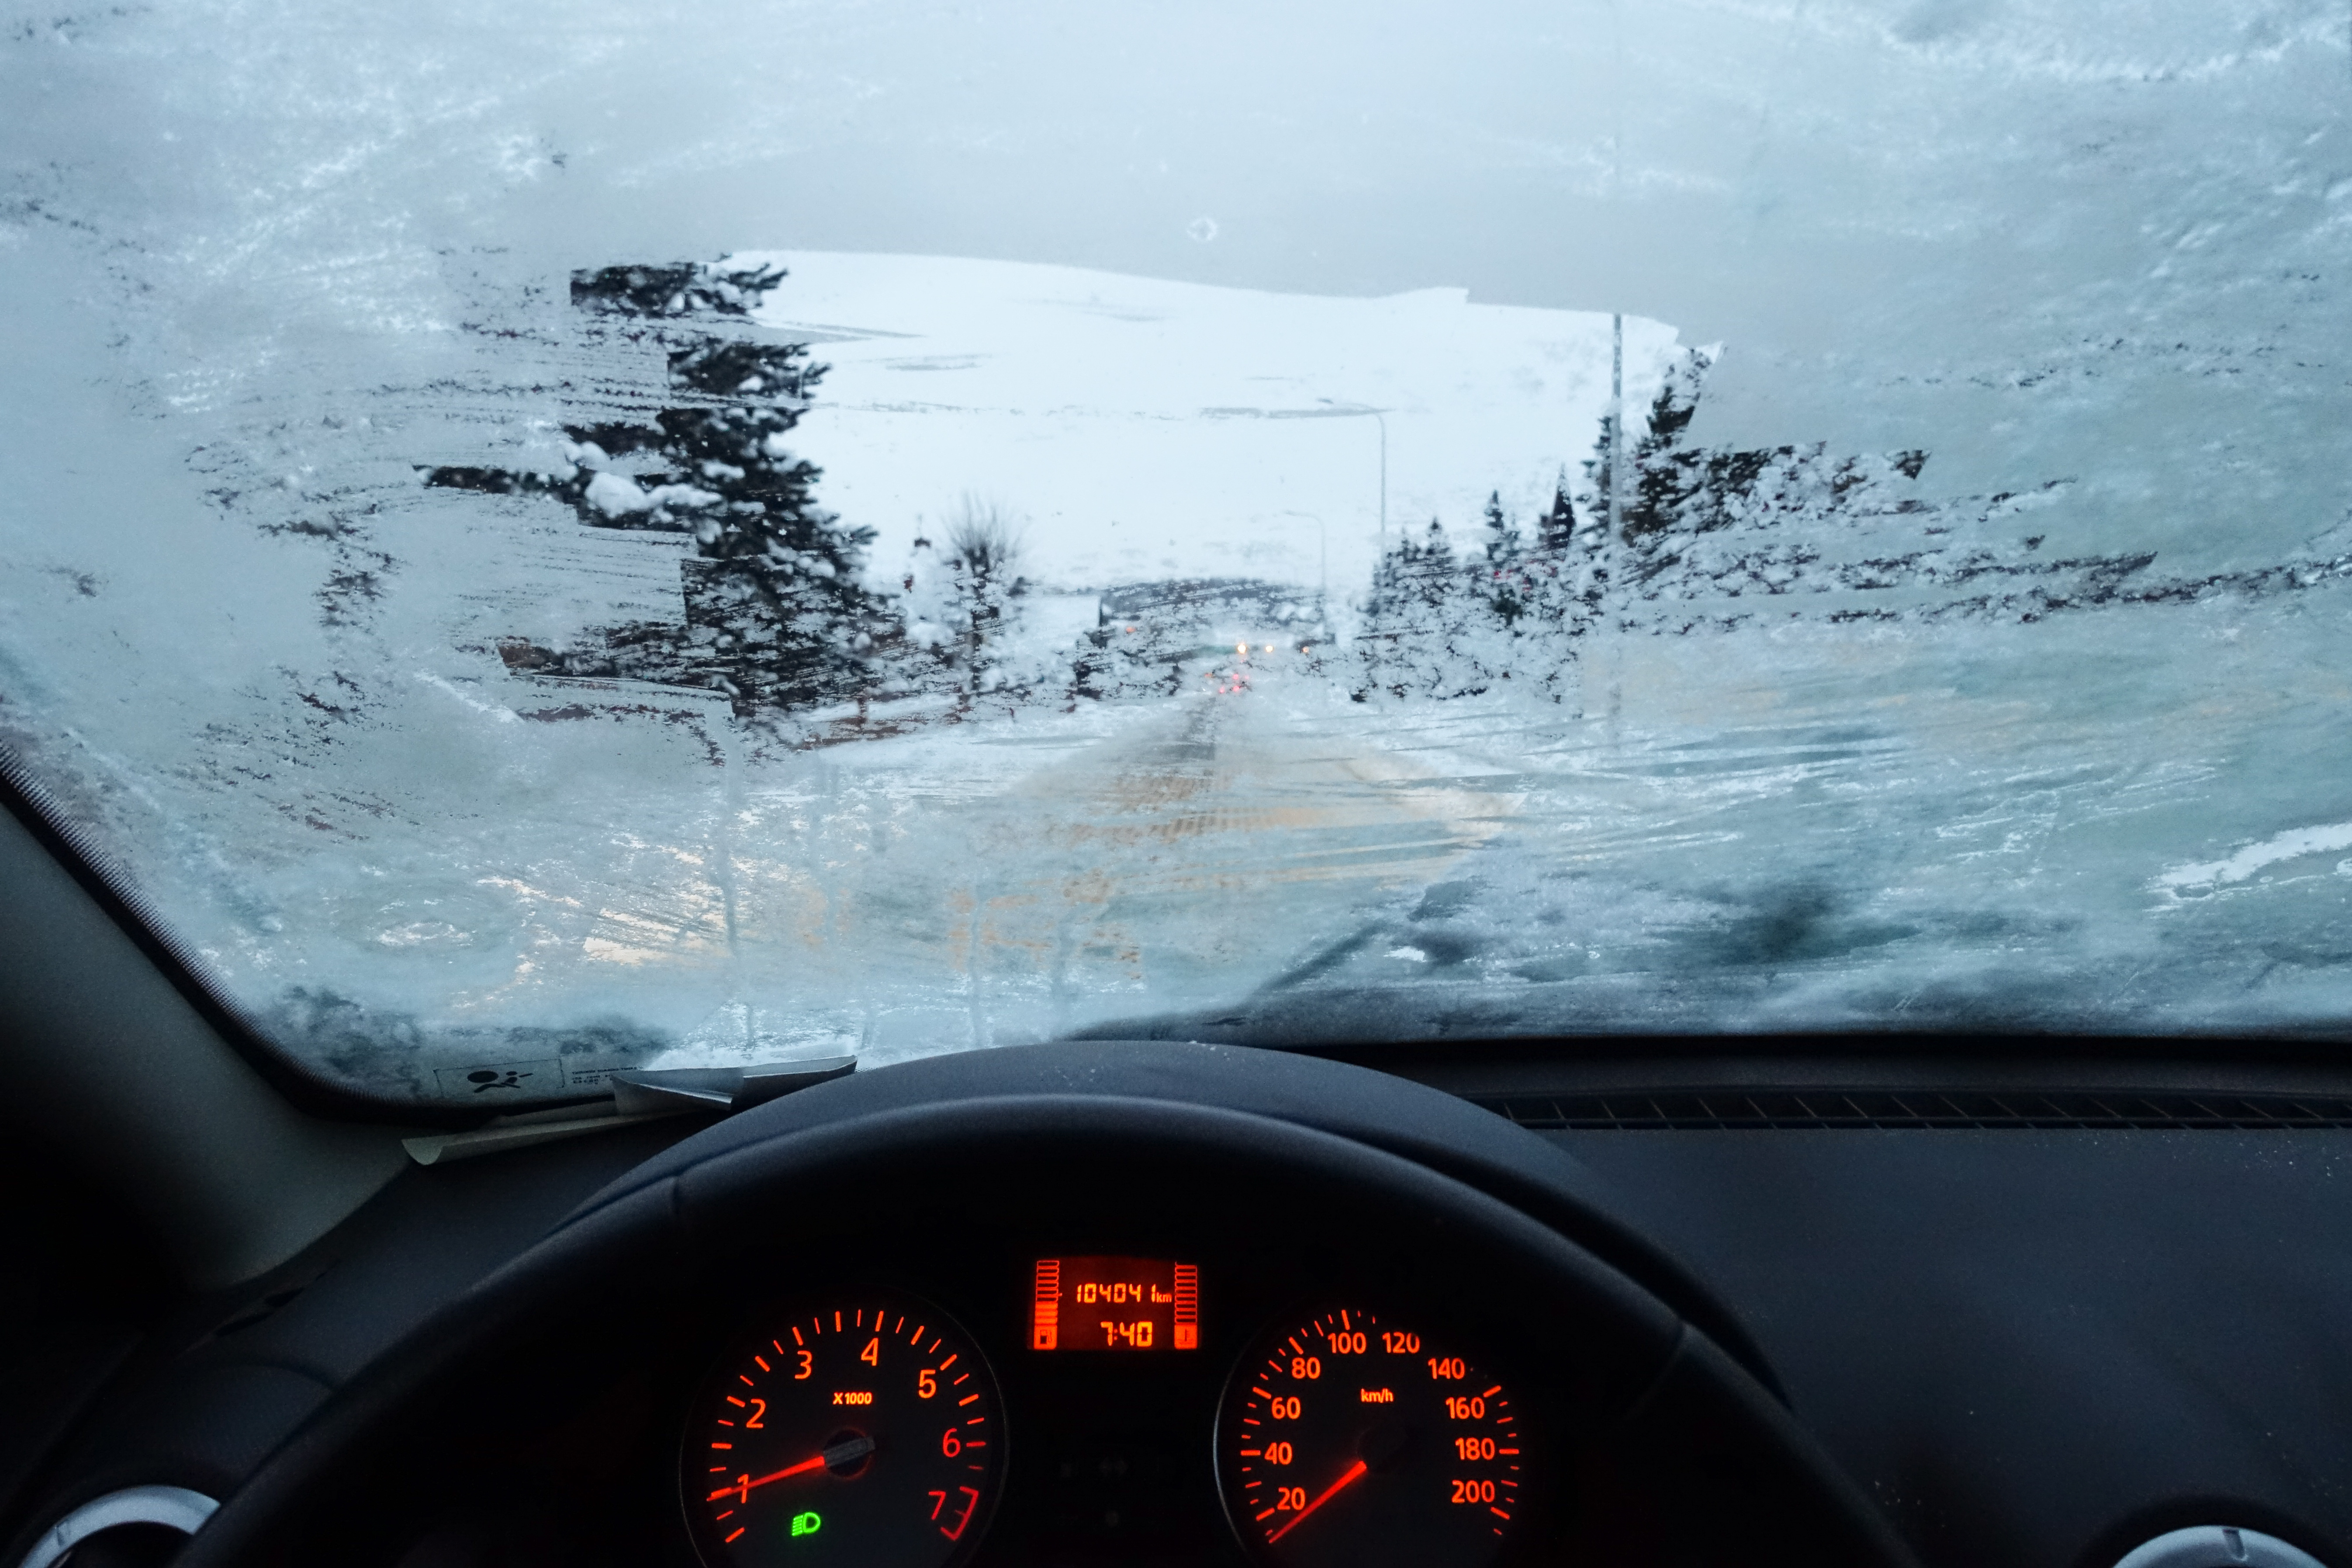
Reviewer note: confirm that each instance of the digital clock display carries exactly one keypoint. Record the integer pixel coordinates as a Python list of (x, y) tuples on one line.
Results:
[(1115, 1304)]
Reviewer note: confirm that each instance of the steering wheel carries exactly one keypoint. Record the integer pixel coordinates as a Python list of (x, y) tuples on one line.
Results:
[(1650, 1382)]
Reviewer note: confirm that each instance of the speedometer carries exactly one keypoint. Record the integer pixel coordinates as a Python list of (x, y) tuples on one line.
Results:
[(858, 1428), (1351, 1439)]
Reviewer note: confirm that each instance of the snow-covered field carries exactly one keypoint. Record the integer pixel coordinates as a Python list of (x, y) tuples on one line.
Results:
[(1149, 429)]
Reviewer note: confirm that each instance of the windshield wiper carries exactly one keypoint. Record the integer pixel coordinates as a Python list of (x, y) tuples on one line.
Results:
[(638, 1094)]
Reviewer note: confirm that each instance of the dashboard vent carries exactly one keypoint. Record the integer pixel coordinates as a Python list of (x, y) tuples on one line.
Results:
[(1739, 1109)]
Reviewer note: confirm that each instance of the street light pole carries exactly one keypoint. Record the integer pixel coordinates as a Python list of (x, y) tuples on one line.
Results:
[(1616, 423)]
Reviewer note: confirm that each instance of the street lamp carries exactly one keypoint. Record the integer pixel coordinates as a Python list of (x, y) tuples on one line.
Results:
[(1379, 417)]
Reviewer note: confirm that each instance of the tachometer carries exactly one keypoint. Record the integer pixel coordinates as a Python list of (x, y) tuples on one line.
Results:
[(1352, 1439), (862, 1428)]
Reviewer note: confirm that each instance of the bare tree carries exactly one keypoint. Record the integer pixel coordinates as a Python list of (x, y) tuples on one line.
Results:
[(983, 552), (985, 536)]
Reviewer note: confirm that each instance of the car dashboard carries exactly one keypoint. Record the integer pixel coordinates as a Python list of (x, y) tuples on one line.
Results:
[(892, 1406), (1061, 1306), (1147, 1303)]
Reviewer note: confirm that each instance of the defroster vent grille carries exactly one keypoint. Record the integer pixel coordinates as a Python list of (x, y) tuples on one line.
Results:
[(1736, 1109)]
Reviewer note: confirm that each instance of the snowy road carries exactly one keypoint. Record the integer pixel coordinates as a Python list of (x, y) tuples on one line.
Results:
[(1193, 858), (1835, 826)]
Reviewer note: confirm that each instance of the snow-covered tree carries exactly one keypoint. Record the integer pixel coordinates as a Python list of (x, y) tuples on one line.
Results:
[(1413, 576), (1600, 472), (1558, 529), (983, 559), (678, 290), (1507, 585), (1430, 627), (963, 598), (1666, 476), (1566, 574), (775, 610)]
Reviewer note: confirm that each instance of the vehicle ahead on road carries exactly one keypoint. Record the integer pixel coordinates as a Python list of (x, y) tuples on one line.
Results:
[(927, 788), (1200, 633)]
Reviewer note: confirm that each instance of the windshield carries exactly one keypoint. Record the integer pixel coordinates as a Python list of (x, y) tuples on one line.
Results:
[(540, 539)]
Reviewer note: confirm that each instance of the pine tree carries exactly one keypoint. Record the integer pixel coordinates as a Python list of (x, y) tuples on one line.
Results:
[(775, 594), (775, 612), (1676, 402), (1507, 583), (1601, 471), (1558, 529), (1666, 478), (962, 604), (1502, 537), (1564, 574), (1428, 626), (1433, 570), (984, 560), (679, 289)]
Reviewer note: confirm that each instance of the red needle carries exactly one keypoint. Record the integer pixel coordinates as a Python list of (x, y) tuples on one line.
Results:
[(1354, 1474), (743, 1488)]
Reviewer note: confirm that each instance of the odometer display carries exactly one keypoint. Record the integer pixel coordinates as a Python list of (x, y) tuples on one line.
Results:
[(1351, 1439), (1115, 1304), (863, 1429)]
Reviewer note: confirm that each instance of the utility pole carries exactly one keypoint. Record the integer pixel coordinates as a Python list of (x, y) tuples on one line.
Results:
[(1616, 490), (1616, 423)]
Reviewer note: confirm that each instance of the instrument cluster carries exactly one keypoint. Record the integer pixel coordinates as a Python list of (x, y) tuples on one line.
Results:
[(1093, 1401)]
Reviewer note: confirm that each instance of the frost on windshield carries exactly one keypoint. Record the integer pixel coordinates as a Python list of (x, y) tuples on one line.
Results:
[(532, 561)]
